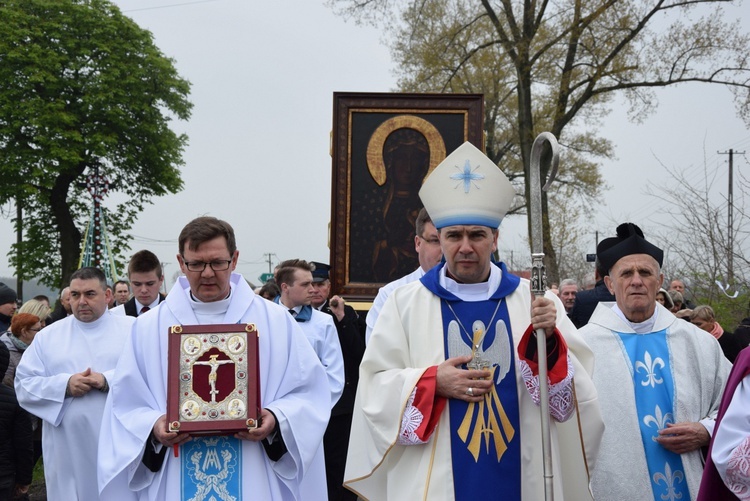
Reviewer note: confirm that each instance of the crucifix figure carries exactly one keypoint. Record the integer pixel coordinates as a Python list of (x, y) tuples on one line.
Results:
[(214, 363)]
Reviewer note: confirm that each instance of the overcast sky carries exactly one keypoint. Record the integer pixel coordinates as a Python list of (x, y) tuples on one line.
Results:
[(263, 76)]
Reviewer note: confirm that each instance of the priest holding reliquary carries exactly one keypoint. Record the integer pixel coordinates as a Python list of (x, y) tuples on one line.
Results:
[(203, 403)]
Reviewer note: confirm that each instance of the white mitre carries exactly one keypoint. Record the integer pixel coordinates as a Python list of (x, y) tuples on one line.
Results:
[(467, 188)]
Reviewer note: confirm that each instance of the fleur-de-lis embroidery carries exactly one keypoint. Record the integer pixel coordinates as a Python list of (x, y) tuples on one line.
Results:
[(658, 419), (670, 480), (649, 368), (467, 176)]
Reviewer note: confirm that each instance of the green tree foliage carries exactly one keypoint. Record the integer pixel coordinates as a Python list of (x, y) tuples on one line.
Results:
[(82, 86), (557, 66)]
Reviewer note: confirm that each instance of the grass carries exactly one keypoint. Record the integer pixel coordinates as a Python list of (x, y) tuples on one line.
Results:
[(38, 471), (38, 489)]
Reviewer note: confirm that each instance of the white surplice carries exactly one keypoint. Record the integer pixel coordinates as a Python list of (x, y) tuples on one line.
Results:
[(699, 372), (293, 386), (382, 296), (70, 424), (731, 446), (320, 331)]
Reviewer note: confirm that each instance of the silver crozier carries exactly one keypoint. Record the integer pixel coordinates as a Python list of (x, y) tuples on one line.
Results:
[(539, 286)]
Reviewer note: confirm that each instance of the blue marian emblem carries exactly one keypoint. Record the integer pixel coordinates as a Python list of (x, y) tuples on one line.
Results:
[(467, 176), (211, 469)]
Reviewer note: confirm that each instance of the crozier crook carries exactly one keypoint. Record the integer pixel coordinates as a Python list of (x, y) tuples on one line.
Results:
[(539, 286)]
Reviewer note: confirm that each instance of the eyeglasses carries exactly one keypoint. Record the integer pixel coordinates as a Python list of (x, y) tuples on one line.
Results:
[(35, 330), (198, 266), (431, 241)]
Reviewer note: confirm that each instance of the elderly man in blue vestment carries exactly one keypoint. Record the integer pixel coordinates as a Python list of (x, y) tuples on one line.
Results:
[(659, 380), (265, 463), (447, 404)]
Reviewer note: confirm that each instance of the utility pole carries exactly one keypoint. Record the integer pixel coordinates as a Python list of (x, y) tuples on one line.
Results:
[(268, 255), (730, 215)]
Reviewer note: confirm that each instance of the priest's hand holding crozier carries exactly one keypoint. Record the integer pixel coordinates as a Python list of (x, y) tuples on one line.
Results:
[(544, 315)]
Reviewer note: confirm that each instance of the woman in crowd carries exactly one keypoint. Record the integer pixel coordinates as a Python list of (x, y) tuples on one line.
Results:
[(37, 307), (23, 328), (703, 317), (664, 299), (16, 452)]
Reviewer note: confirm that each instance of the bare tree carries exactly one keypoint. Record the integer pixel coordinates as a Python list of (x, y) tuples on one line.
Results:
[(696, 237)]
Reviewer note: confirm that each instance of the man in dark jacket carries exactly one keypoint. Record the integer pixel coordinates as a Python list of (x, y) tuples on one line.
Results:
[(351, 331), (62, 308), (16, 445), (587, 300), (146, 279)]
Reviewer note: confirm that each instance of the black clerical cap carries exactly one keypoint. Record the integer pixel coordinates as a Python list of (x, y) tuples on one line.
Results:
[(320, 273), (629, 240)]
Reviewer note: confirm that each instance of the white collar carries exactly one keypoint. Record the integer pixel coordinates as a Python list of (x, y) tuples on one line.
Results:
[(645, 327), (472, 292), (212, 308)]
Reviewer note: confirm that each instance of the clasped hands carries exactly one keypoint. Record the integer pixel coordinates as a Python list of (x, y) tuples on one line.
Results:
[(83, 382)]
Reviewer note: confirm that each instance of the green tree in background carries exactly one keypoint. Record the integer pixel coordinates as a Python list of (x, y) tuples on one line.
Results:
[(82, 86), (557, 66)]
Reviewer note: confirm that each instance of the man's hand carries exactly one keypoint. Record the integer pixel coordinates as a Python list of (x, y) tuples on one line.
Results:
[(164, 436), (453, 382), (83, 382), (19, 490), (267, 425), (683, 437), (544, 315), (337, 307)]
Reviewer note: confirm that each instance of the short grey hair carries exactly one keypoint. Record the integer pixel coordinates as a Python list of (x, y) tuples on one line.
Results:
[(566, 282)]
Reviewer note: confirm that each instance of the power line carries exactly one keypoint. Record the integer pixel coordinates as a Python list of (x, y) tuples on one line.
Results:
[(170, 6)]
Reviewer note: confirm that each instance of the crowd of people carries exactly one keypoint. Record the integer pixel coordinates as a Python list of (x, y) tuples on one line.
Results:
[(434, 393)]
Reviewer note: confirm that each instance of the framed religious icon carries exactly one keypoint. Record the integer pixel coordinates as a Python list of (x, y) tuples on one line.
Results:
[(212, 374), (383, 148)]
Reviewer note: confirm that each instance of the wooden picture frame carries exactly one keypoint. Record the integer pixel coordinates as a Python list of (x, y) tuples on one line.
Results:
[(213, 385), (383, 147)]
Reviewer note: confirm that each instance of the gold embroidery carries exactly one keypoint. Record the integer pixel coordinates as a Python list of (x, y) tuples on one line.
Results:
[(475, 422)]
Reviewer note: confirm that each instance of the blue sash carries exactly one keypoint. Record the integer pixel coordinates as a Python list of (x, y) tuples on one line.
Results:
[(211, 469), (654, 396), (485, 436)]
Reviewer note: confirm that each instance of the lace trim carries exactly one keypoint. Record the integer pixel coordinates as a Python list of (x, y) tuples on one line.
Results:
[(560, 394), (738, 471), (411, 420)]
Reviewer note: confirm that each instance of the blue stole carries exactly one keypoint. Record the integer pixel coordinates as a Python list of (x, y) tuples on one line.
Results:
[(211, 469), (305, 313), (485, 436), (654, 396)]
